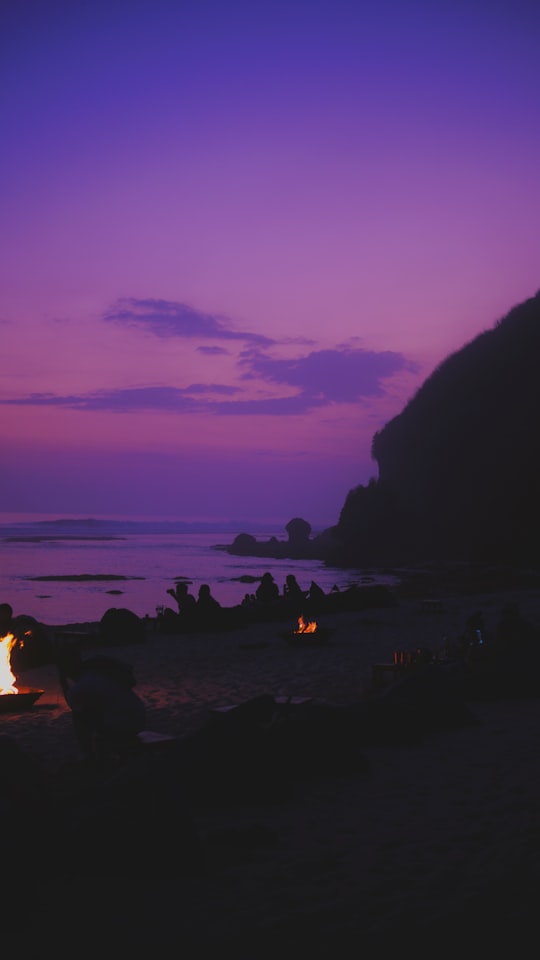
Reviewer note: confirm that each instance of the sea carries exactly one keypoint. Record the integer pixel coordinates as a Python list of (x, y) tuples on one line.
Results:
[(69, 570)]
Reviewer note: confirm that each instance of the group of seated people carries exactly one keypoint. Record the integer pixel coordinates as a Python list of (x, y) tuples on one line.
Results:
[(267, 602), (294, 601), (202, 610)]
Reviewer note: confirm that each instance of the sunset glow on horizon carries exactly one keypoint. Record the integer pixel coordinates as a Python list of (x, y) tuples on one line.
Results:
[(236, 238)]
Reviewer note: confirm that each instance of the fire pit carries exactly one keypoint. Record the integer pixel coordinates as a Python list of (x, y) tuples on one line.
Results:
[(308, 634), (13, 698), (22, 699)]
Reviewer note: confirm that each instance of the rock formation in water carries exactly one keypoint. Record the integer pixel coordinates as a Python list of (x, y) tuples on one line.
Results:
[(299, 544)]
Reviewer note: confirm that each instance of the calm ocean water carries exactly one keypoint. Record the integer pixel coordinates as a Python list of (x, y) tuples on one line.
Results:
[(150, 561)]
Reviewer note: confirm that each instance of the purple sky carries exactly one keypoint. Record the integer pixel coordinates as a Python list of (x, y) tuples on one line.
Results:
[(236, 237)]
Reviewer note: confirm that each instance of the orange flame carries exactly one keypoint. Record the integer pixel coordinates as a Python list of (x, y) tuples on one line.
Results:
[(7, 677), (306, 627)]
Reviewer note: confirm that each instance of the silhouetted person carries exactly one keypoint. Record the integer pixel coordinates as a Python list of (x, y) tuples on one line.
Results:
[(293, 595), (185, 600), (207, 608), (268, 590), (292, 588), (6, 619), (475, 630), (33, 640), (315, 598), (515, 636), (107, 714), (511, 658)]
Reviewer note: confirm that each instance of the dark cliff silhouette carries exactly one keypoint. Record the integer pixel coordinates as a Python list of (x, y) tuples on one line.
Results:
[(459, 468)]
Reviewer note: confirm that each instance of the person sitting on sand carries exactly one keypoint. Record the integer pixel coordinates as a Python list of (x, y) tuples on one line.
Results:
[(268, 590), (315, 599), (292, 589), (293, 596), (185, 600), (207, 609), (315, 592), (106, 713)]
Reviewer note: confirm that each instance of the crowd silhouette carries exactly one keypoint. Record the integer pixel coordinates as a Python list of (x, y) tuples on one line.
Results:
[(266, 603)]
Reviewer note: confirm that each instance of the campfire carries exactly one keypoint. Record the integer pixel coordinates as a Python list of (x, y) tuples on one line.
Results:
[(12, 695), (308, 633), (7, 677)]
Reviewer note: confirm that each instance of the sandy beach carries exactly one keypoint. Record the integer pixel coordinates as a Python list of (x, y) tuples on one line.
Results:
[(432, 843)]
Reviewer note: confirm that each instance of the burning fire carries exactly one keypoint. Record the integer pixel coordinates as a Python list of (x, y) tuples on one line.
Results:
[(306, 627), (7, 677)]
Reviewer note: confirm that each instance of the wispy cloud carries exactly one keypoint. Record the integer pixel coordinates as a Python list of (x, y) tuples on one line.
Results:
[(171, 400), (132, 399), (346, 374), (166, 318), (342, 375), (322, 379)]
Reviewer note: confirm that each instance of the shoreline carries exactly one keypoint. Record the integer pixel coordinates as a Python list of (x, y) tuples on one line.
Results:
[(424, 582)]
